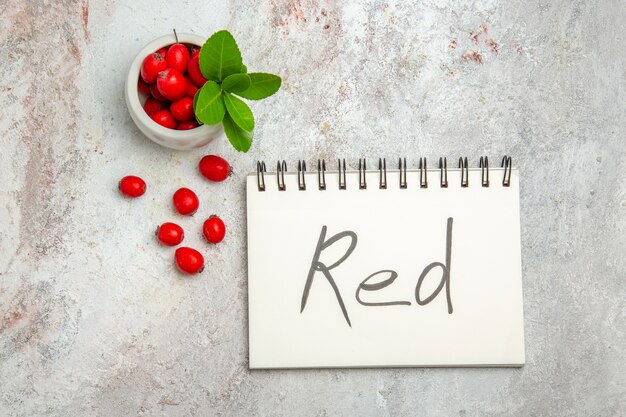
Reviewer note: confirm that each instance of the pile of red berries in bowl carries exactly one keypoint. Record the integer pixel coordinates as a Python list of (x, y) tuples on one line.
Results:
[(185, 203), (160, 87), (170, 78)]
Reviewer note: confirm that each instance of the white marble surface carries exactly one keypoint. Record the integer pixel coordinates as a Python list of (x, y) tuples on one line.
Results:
[(94, 320)]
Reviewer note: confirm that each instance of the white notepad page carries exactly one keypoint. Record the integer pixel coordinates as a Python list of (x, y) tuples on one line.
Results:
[(476, 319)]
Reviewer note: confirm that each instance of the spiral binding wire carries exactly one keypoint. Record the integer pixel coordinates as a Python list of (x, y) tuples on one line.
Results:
[(382, 173), (402, 168), (423, 174), (362, 171), (483, 164), (464, 172), (443, 172), (301, 171), (342, 174), (484, 171), (321, 174), (260, 175), (507, 164), (280, 175)]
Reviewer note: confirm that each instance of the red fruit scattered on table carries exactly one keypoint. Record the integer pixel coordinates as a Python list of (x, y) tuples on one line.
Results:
[(151, 105), (214, 229), (143, 87), (172, 84), (177, 57), (170, 234), (189, 260), (214, 168), (151, 66), (192, 124), (185, 201), (191, 88), (193, 69), (182, 110), (132, 186), (165, 119), (154, 92)]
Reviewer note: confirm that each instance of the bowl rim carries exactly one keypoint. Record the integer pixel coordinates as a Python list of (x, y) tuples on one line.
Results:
[(132, 92)]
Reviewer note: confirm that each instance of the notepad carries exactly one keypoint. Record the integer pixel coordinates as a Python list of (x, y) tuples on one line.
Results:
[(384, 267)]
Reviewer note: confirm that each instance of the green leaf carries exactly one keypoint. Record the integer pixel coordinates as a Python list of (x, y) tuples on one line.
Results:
[(209, 106), (195, 100), (244, 69), (239, 138), (220, 56), (262, 85), (236, 83), (239, 112)]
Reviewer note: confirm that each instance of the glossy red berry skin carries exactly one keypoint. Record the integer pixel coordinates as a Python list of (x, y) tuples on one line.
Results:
[(192, 124), (214, 168), (195, 51), (143, 87), (177, 57), (182, 110), (132, 186), (172, 84), (170, 234), (151, 105), (154, 92), (151, 66), (162, 52), (214, 229), (165, 119), (193, 69), (191, 88), (185, 201), (189, 260)]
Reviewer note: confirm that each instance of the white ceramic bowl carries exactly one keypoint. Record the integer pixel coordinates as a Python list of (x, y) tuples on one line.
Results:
[(175, 139)]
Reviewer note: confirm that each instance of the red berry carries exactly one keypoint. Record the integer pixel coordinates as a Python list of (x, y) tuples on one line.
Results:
[(162, 52), (177, 57), (192, 124), (189, 260), (154, 92), (214, 168), (165, 119), (193, 69), (182, 109), (151, 105), (214, 229), (186, 201), (195, 51), (170, 234), (143, 87), (172, 84), (132, 186), (151, 66), (191, 88)]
